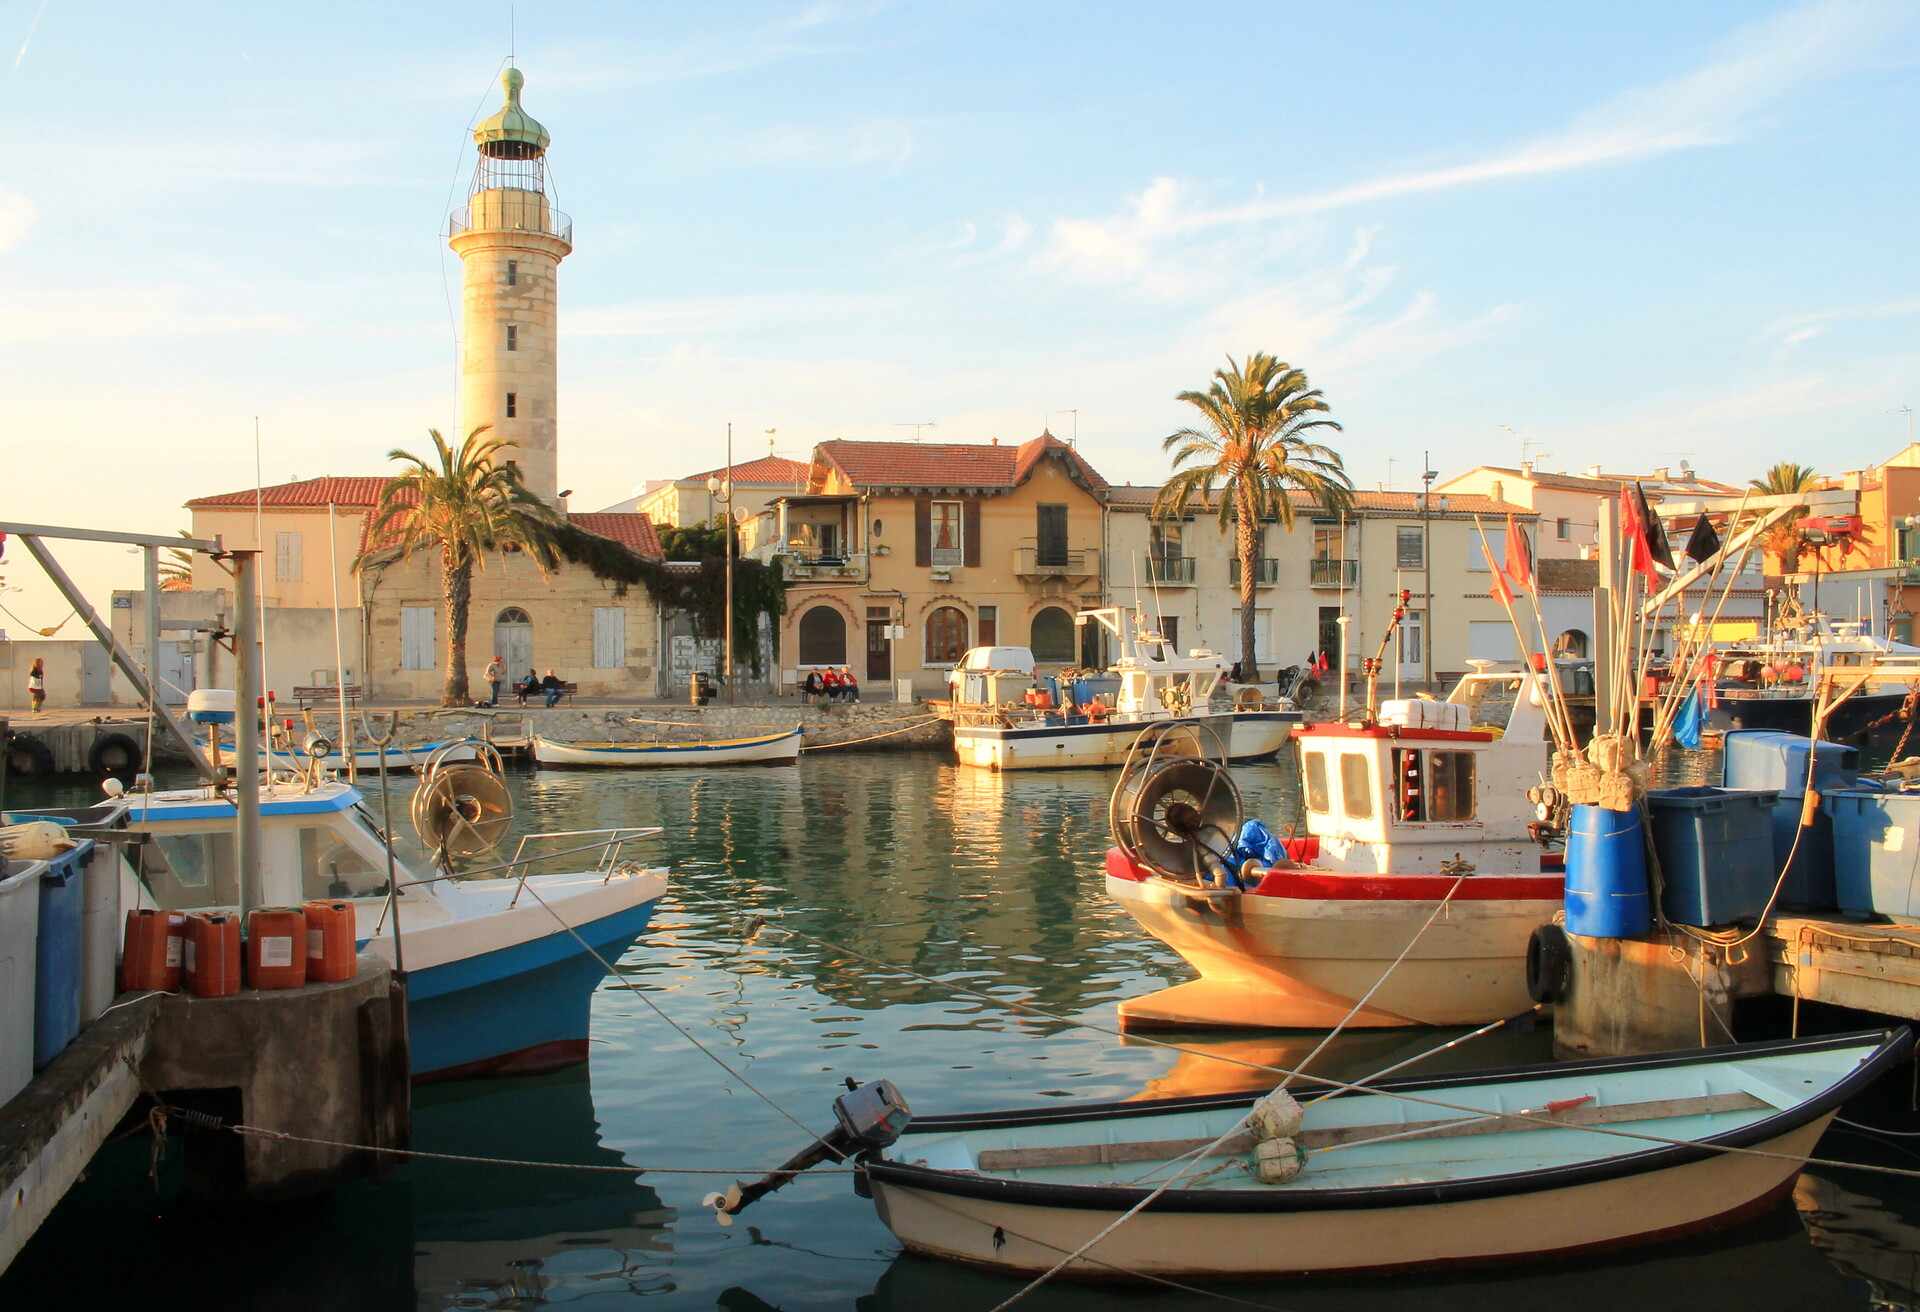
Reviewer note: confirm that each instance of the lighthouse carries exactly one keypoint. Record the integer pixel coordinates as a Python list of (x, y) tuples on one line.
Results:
[(510, 239)]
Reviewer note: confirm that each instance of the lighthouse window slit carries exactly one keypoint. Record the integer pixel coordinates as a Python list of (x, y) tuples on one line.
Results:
[(513, 272), (513, 338), (512, 407)]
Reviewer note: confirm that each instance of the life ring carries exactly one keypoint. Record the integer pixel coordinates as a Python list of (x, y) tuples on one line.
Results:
[(1549, 964), (28, 757), (114, 754)]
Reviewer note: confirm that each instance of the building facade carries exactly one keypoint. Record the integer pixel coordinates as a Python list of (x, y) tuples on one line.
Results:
[(680, 502), (901, 555)]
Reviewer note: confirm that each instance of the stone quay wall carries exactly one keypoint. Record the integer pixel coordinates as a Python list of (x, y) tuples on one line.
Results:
[(907, 727)]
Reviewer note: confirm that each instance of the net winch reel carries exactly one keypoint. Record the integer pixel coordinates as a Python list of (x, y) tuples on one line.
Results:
[(1176, 808), (462, 809)]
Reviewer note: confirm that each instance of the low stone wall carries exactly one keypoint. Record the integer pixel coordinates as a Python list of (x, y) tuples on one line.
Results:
[(857, 726)]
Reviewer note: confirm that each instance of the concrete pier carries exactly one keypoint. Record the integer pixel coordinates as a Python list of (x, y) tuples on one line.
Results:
[(1673, 991)]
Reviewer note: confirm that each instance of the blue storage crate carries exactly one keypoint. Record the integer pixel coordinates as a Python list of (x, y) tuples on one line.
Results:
[(1775, 759), (1716, 853), (1606, 884), (56, 970), (1876, 849)]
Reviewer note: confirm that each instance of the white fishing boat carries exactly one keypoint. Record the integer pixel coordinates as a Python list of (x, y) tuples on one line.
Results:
[(366, 760), (1419, 805), (767, 749), (500, 970), (1527, 1163), (1157, 685)]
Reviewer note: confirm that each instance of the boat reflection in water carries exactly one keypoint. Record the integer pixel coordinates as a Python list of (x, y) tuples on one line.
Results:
[(1875, 1239), (508, 1236)]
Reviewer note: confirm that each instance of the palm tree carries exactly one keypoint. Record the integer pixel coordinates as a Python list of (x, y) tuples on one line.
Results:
[(467, 505), (1784, 540), (176, 571), (1254, 452)]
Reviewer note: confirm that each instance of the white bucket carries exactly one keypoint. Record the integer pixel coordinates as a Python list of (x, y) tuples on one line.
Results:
[(19, 955), (100, 930)]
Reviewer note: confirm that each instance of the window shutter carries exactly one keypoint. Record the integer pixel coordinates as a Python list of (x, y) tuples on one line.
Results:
[(609, 637), (293, 556), (416, 637), (923, 531), (970, 534)]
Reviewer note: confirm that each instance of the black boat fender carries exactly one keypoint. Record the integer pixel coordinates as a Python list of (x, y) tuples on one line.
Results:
[(113, 754), (1549, 964)]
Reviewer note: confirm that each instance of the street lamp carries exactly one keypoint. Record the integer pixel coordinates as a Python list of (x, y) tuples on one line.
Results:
[(721, 490)]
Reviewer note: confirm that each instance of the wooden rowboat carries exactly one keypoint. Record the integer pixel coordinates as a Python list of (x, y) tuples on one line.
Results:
[(767, 749), (1407, 1174)]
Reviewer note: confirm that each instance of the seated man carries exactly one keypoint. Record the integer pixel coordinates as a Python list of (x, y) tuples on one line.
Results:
[(849, 686), (553, 688), (525, 687), (813, 687)]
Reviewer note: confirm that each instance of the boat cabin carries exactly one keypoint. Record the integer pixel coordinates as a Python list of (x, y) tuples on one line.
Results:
[(1431, 787), (1155, 679)]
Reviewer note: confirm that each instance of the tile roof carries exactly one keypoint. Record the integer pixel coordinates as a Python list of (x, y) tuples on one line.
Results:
[(1605, 484), (1385, 503), (315, 493), (630, 529), (951, 464), (767, 469)]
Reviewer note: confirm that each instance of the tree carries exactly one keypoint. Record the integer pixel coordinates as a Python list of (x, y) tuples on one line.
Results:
[(1785, 540), (466, 505), (1253, 452), (176, 569)]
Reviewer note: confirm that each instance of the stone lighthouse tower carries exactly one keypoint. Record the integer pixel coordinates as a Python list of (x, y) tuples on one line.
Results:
[(510, 240)]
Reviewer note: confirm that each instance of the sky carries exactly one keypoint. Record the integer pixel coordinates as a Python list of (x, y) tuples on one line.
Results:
[(1629, 234)]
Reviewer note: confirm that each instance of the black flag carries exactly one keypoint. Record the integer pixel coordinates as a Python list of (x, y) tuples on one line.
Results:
[(1656, 531), (1703, 542)]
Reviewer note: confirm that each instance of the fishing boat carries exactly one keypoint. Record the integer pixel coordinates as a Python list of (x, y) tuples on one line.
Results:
[(1773, 684), (767, 749), (1156, 685), (366, 760), (500, 970), (1421, 804), (1525, 1163)]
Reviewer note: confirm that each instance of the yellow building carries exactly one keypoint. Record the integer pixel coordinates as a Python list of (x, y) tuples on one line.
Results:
[(901, 555), (679, 502)]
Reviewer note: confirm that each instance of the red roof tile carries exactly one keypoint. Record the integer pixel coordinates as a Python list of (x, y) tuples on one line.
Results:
[(949, 464), (775, 470), (630, 529), (317, 493)]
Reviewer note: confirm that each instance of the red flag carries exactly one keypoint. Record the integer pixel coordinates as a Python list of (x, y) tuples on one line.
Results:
[(1497, 583), (1519, 565), (1633, 533)]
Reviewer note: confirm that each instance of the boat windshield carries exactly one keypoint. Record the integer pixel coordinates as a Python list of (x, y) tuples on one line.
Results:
[(187, 870), (330, 866)]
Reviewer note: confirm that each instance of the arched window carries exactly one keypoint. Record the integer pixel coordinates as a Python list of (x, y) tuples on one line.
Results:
[(1572, 643), (946, 636), (823, 637), (1052, 639), (513, 615)]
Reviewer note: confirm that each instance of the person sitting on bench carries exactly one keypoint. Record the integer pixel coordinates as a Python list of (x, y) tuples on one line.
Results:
[(813, 687), (525, 688), (553, 688)]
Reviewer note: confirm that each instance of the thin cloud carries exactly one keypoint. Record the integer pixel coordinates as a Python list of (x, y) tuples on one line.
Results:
[(1805, 327), (878, 141), (16, 219), (705, 316), (32, 28)]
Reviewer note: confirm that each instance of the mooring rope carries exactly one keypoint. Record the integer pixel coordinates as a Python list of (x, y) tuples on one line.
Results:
[(918, 722)]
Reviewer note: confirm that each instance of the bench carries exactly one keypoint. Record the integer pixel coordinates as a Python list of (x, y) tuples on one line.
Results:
[(325, 694), (523, 692)]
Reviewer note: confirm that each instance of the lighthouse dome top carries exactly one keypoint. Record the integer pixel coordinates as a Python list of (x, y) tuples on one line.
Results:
[(511, 132)]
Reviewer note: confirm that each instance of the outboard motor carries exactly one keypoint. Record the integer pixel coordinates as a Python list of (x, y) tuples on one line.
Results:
[(868, 1119)]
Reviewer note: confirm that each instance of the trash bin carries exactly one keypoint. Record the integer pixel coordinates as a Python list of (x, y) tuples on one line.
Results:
[(699, 688), (19, 938), (1774, 759), (1716, 852), (56, 967)]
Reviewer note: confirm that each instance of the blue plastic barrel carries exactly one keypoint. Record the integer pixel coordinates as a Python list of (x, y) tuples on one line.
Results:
[(1607, 874), (56, 971)]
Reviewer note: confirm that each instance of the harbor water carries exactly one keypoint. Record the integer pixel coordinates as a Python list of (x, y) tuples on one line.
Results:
[(864, 916)]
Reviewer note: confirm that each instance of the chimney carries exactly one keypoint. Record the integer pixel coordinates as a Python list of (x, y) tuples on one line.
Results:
[(1499, 489), (993, 441), (1593, 471), (1526, 469), (1663, 473)]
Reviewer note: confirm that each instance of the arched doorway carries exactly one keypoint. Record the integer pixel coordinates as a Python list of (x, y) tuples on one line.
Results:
[(823, 637), (513, 641), (1052, 640), (1572, 644), (946, 636)]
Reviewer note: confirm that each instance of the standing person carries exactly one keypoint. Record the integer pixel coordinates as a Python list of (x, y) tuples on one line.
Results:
[(496, 670), (37, 684), (830, 680), (850, 686), (552, 687)]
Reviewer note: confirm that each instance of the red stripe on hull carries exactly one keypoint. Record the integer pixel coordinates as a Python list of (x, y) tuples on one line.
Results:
[(1321, 887), (537, 1060)]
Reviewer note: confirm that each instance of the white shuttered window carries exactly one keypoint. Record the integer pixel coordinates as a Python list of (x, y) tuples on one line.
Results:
[(286, 557), (416, 637), (609, 637)]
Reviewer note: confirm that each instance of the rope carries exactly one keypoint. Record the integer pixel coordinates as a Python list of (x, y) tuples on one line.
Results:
[(34, 628), (1230, 1131), (920, 722), (1325, 1081)]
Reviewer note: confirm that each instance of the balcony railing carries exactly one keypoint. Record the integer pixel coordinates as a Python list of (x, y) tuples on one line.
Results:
[(1075, 563), (1266, 571), (1333, 573), (802, 564), (1170, 571), (507, 211)]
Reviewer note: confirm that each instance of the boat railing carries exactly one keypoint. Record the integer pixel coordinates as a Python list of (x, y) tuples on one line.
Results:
[(606, 864)]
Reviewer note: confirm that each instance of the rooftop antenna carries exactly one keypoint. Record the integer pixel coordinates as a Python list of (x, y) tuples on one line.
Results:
[(917, 426), (1076, 424), (770, 441)]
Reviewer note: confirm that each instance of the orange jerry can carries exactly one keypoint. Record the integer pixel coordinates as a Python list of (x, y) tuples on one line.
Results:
[(151, 953), (330, 950), (213, 954), (277, 948)]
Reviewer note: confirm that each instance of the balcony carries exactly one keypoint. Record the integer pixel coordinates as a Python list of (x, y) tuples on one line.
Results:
[(511, 210), (1266, 571), (1074, 563), (800, 565), (1170, 571), (1333, 573)]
